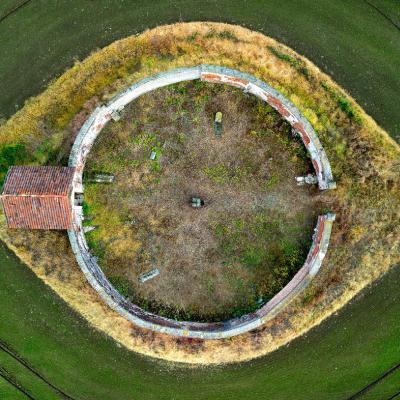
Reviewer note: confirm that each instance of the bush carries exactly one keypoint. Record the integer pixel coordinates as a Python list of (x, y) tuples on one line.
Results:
[(12, 154)]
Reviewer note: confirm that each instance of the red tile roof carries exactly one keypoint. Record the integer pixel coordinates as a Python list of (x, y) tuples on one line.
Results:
[(39, 212), (38, 181), (38, 197)]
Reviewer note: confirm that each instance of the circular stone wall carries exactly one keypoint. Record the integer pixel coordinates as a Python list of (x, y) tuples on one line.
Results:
[(88, 263)]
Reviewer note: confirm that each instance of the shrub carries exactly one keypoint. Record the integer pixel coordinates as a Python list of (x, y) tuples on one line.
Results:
[(12, 154), (192, 37)]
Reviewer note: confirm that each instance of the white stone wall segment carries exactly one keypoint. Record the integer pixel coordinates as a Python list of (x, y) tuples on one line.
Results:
[(92, 270)]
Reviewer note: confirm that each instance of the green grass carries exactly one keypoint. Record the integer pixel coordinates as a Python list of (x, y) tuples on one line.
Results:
[(7, 391), (222, 35), (325, 364), (48, 151), (12, 154), (24, 378), (7, 5), (121, 284), (331, 33), (221, 175), (336, 359), (266, 246), (343, 103), (384, 389), (240, 241)]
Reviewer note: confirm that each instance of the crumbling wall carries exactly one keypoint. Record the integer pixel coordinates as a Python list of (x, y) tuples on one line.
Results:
[(92, 270), (299, 123)]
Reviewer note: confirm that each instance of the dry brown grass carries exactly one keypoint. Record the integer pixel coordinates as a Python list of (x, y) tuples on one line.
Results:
[(209, 267), (365, 242)]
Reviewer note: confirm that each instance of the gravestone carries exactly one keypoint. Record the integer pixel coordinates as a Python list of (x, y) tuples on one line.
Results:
[(218, 124)]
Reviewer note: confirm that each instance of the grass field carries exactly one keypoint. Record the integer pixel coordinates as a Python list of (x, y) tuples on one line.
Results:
[(326, 364), (347, 352), (332, 34), (6, 6)]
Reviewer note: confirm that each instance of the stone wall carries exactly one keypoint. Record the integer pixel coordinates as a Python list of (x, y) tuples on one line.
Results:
[(92, 270), (299, 123)]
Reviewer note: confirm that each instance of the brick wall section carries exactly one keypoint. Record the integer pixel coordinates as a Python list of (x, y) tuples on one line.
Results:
[(88, 263)]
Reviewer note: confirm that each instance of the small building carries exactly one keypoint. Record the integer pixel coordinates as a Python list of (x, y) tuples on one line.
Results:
[(38, 197)]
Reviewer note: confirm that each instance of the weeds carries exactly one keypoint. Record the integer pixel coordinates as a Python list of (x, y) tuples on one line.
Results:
[(225, 34), (12, 154), (193, 155), (294, 62), (122, 284), (272, 181), (343, 103), (222, 175), (192, 37), (262, 243), (48, 150)]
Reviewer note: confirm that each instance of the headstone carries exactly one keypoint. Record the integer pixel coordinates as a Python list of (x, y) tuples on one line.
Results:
[(100, 178), (218, 124), (78, 199), (308, 179), (197, 202), (148, 275), (116, 114), (87, 229)]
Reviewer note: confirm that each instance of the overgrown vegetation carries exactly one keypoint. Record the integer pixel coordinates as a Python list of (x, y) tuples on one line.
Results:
[(273, 260), (365, 240), (295, 62), (221, 174), (225, 34), (150, 202), (11, 154), (343, 103)]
